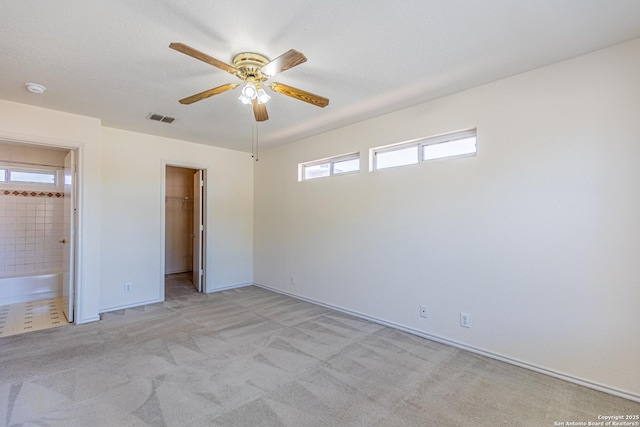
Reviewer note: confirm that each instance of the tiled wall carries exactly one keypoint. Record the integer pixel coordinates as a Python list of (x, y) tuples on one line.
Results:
[(31, 226)]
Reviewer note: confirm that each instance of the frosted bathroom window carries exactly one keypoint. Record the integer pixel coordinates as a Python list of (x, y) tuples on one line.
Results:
[(3, 175), (32, 177)]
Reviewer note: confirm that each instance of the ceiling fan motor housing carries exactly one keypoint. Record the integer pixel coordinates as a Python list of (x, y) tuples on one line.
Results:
[(248, 66)]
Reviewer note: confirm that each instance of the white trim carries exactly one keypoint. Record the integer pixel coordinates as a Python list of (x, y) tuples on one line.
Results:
[(230, 287), (472, 349), (125, 306), (156, 301)]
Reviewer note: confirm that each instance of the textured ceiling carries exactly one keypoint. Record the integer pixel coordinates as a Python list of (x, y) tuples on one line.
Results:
[(111, 60)]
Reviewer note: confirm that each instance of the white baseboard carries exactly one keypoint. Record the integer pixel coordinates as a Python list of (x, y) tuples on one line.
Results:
[(157, 300), (230, 287), (462, 346), (87, 320), (125, 306)]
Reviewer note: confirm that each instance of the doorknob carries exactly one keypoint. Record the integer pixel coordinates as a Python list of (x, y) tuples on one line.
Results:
[(63, 241)]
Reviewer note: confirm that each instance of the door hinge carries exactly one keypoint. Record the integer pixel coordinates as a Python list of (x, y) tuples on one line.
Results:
[(201, 227)]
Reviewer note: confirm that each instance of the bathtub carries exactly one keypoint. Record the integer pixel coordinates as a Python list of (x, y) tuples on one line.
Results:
[(27, 287)]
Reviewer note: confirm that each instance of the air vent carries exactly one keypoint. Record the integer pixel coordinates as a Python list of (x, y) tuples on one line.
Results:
[(160, 118)]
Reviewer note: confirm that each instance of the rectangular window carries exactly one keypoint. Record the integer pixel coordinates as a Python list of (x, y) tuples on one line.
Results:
[(32, 177), (451, 148), (346, 166), (459, 144), (339, 165), (28, 176), (397, 157)]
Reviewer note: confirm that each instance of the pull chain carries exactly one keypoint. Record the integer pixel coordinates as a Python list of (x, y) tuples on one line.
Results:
[(257, 140), (254, 142)]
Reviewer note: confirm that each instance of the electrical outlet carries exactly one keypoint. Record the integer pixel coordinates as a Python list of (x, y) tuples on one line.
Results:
[(292, 279), (423, 311), (128, 287), (465, 320)]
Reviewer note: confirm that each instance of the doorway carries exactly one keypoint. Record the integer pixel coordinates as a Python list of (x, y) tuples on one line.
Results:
[(38, 215), (184, 231)]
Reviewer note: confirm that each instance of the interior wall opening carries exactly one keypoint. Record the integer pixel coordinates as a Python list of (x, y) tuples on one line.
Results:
[(37, 237), (184, 231)]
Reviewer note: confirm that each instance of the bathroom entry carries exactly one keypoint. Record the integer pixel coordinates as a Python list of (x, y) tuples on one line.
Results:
[(184, 225), (37, 235)]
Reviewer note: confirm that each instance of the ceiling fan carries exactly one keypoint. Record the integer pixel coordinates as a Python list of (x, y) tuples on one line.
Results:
[(254, 70)]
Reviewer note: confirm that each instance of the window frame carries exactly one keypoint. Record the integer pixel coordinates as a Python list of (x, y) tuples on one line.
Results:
[(419, 144), (7, 170), (331, 162)]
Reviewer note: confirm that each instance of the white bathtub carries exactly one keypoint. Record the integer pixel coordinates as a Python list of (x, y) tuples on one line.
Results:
[(16, 289)]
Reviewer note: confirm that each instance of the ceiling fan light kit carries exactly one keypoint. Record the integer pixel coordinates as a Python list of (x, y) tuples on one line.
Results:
[(253, 69), (263, 97)]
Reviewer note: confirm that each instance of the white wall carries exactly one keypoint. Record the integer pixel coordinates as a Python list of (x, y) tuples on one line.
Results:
[(23, 123), (133, 170), (537, 237), (121, 205)]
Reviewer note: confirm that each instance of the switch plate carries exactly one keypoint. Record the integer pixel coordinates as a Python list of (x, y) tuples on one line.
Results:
[(465, 320), (423, 311), (128, 287)]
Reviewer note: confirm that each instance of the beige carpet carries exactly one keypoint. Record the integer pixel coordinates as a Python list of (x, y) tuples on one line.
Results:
[(251, 357)]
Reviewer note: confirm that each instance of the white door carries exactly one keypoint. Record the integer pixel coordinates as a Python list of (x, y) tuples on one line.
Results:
[(68, 238), (198, 230)]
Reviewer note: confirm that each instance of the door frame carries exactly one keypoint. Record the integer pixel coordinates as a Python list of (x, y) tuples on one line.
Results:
[(76, 254), (205, 244)]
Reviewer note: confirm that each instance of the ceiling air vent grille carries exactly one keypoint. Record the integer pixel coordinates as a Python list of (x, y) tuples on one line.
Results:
[(160, 118)]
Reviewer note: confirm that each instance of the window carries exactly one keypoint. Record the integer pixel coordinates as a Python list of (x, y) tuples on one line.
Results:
[(450, 148), (11, 175), (398, 156), (32, 177), (459, 144), (349, 163)]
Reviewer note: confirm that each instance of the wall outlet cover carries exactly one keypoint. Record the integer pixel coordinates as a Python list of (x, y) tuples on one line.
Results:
[(423, 311), (465, 320)]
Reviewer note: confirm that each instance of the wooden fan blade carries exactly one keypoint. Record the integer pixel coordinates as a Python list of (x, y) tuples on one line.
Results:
[(283, 62), (208, 93), (194, 53), (311, 98), (259, 111)]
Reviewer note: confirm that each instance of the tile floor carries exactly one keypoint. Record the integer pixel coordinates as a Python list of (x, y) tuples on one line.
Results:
[(31, 316)]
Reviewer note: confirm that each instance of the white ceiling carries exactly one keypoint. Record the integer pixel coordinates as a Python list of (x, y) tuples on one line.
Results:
[(111, 60)]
